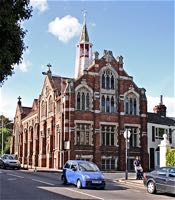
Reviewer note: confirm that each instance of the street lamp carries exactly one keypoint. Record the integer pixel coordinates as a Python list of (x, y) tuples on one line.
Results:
[(127, 135)]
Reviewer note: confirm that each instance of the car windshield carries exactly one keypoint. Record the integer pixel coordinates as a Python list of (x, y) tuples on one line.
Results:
[(88, 167), (9, 157)]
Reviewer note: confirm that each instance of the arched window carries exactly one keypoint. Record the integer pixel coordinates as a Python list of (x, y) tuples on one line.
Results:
[(107, 80), (83, 99), (103, 104), (103, 81), (112, 104), (131, 104), (50, 108), (107, 103), (87, 101), (78, 101), (42, 108)]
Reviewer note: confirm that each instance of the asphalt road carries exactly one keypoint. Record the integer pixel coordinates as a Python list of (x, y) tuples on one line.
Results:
[(28, 185)]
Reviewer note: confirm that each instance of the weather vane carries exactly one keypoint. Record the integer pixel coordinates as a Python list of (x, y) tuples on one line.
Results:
[(84, 12)]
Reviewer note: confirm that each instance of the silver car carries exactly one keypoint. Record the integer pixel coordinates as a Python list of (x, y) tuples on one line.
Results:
[(9, 161)]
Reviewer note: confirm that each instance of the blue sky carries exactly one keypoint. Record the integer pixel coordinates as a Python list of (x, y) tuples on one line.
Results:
[(141, 31)]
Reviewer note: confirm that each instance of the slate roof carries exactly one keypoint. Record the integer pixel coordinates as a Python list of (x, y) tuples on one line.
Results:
[(157, 119)]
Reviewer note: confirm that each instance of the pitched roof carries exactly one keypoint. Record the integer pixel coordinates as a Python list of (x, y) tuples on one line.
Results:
[(158, 119)]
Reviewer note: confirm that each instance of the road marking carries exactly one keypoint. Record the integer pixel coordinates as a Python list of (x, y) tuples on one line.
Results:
[(16, 175), (42, 182), (11, 179), (84, 193)]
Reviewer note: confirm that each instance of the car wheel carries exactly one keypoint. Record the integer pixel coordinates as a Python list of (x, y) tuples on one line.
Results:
[(151, 187), (79, 185), (64, 180)]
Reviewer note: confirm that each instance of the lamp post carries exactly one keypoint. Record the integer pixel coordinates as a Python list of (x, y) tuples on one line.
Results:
[(127, 135), (2, 123)]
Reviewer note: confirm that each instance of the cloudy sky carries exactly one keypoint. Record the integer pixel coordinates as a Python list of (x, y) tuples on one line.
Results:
[(141, 31)]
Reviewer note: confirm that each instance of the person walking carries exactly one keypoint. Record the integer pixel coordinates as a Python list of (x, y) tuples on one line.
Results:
[(138, 168)]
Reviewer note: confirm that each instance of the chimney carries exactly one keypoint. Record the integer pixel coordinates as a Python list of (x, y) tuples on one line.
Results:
[(160, 109)]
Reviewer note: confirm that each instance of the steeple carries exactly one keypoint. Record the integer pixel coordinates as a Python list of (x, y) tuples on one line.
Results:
[(84, 51)]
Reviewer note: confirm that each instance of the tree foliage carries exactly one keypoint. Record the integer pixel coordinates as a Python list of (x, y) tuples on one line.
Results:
[(6, 127), (12, 13), (170, 157)]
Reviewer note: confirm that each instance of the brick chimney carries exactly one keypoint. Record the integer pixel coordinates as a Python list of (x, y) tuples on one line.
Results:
[(160, 109)]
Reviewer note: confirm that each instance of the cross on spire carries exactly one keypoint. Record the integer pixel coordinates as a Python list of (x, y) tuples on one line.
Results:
[(49, 66), (19, 99)]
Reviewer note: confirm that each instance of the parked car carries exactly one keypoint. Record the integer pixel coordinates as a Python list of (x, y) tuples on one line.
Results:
[(162, 179), (9, 161), (83, 174)]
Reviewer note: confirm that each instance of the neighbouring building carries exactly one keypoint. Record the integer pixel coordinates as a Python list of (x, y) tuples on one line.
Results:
[(158, 125), (84, 117)]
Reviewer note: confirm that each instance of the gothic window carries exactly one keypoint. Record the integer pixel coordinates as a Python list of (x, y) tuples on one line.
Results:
[(134, 138), (107, 135), (43, 109), (107, 80), (78, 101), (87, 101), (83, 98), (112, 104), (131, 104), (103, 81), (107, 103), (83, 134), (103, 103), (50, 108)]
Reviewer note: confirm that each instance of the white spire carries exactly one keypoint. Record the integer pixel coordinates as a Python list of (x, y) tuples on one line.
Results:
[(84, 50)]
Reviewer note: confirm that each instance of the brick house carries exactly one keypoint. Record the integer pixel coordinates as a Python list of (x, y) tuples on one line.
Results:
[(84, 117)]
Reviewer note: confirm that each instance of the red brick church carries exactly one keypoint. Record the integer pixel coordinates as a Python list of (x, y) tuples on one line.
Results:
[(84, 117)]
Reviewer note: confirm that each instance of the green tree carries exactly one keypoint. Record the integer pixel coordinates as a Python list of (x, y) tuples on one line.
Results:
[(6, 127), (12, 13)]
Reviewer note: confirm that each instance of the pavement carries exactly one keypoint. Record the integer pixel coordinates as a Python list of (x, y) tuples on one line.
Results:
[(118, 176)]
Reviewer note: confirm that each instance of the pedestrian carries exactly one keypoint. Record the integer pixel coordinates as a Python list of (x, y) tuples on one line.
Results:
[(137, 167)]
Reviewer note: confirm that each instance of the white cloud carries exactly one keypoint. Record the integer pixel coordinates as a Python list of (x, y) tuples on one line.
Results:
[(23, 66), (65, 28), (41, 5), (169, 102)]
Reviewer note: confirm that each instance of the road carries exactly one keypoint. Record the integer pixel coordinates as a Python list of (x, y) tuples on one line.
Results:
[(29, 185)]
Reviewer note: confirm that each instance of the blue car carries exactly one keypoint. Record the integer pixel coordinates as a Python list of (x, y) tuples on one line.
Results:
[(83, 174)]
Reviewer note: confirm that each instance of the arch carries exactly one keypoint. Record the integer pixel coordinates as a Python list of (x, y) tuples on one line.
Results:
[(131, 103)]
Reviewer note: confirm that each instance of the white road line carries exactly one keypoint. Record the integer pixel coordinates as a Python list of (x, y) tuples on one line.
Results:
[(16, 175), (84, 193), (42, 182)]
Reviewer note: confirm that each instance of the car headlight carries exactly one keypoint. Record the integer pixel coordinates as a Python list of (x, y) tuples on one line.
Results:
[(102, 176), (86, 177)]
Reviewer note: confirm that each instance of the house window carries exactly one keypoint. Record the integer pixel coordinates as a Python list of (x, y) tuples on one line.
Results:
[(153, 133), (107, 80), (107, 135), (170, 136), (131, 104), (83, 134), (108, 163), (83, 99), (159, 133)]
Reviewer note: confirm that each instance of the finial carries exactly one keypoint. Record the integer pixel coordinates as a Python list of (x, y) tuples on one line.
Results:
[(84, 15)]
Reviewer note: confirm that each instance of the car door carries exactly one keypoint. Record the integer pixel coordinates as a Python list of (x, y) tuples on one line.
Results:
[(171, 181), (161, 179), (74, 172), (67, 171)]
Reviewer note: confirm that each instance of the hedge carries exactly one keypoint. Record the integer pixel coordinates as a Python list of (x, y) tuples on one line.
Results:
[(170, 157)]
